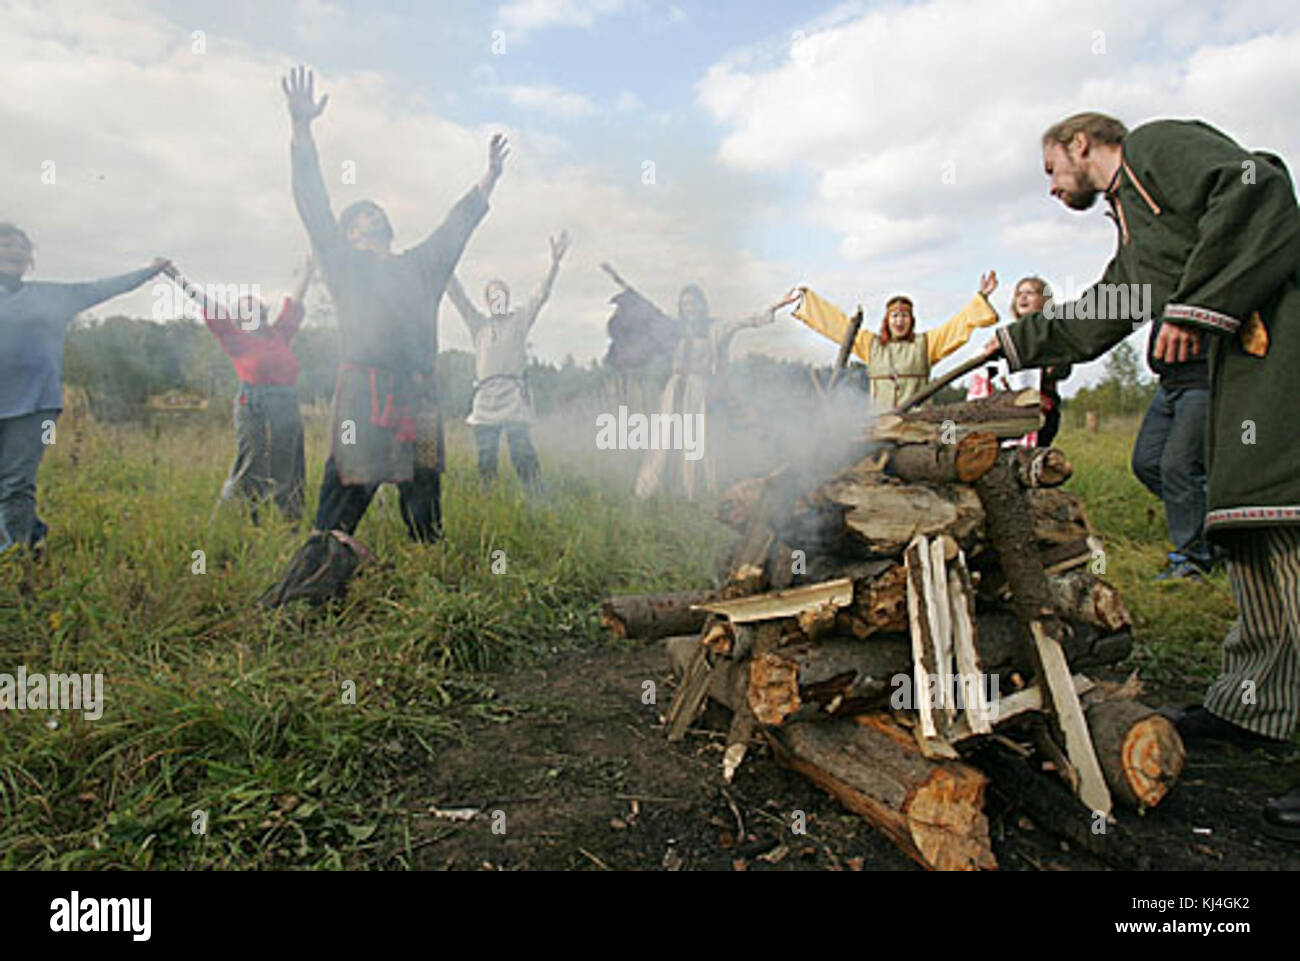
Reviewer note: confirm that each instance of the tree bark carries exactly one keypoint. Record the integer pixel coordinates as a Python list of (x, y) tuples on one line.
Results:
[(652, 616), (931, 810)]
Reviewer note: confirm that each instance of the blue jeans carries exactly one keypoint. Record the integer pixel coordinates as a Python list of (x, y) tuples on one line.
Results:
[(487, 438), (21, 449), (1169, 460)]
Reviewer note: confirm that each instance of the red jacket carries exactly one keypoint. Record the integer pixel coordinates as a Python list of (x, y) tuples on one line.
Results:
[(257, 359)]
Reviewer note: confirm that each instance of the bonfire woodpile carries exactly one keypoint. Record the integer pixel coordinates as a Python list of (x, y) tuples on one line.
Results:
[(914, 623)]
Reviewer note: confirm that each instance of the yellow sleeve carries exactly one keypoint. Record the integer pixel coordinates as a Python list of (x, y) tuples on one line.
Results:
[(831, 322), (943, 340)]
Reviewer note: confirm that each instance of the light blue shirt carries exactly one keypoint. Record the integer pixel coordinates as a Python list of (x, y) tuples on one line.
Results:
[(33, 321)]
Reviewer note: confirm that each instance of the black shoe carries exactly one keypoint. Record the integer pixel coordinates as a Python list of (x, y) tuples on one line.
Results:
[(1282, 817), (1195, 723)]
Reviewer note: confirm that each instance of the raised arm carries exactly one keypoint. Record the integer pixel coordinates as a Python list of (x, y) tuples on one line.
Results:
[(831, 322), (217, 316), (309, 193), (293, 311), (949, 337), (468, 312), (86, 295), (441, 250), (559, 246)]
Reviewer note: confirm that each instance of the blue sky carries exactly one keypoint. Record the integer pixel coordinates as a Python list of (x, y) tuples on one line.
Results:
[(791, 142)]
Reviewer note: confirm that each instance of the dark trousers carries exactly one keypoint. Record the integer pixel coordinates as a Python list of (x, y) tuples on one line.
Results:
[(269, 458), (22, 445), (1051, 424), (1169, 460), (342, 506), (487, 437)]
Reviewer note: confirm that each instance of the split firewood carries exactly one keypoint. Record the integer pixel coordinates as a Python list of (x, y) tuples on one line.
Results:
[(652, 616), (810, 599), (1042, 467), (937, 463)]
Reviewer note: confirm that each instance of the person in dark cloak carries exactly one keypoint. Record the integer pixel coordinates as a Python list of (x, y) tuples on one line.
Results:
[(386, 426)]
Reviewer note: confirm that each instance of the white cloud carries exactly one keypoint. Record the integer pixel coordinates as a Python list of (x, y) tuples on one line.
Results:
[(186, 156), (521, 17), (549, 100), (917, 124)]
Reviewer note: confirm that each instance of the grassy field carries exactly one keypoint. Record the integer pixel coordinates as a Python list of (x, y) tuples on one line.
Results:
[(213, 705)]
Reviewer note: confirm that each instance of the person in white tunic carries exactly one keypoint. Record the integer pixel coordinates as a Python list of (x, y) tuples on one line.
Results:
[(501, 398)]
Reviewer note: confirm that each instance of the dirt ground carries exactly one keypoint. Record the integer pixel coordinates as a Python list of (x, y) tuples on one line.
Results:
[(573, 771)]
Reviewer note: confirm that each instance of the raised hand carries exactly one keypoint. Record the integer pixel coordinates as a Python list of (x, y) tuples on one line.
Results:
[(989, 283), (299, 91), (559, 246), (791, 296), (497, 151)]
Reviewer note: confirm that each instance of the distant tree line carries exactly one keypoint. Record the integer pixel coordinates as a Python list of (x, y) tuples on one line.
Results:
[(122, 362)]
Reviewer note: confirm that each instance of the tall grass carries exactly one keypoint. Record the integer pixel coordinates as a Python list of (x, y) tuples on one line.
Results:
[(217, 706)]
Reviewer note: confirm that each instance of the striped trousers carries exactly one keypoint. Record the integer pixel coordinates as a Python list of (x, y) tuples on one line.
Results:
[(1258, 686)]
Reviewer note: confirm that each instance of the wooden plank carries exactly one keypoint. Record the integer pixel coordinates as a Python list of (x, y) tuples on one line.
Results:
[(1056, 681), (941, 617), (790, 602), (919, 626)]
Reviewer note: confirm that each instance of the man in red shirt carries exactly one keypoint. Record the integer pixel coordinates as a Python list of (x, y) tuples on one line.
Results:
[(269, 457)]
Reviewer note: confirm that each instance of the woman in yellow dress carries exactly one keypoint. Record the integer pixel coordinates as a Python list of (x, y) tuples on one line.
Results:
[(898, 358)]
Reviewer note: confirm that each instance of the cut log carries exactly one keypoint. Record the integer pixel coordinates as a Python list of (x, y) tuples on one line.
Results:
[(1042, 467), (1006, 414), (1082, 596), (1140, 751), (651, 616), (937, 463), (931, 810), (1057, 516), (1047, 803), (835, 676), (1009, 528), (885, 515)]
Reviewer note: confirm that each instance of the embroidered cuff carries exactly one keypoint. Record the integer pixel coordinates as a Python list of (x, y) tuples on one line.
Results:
[(1008, 348), (1187, 313)]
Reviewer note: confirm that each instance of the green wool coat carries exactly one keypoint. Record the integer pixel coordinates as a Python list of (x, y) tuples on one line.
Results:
[(1215, 231)]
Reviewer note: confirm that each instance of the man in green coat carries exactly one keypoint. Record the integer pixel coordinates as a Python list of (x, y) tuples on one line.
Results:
[(1209, 247)]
